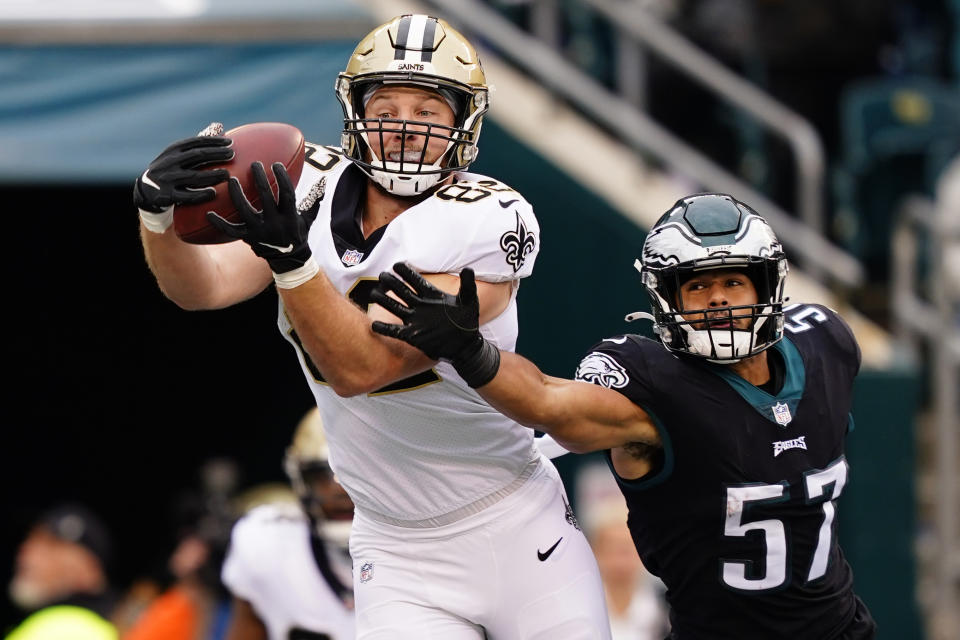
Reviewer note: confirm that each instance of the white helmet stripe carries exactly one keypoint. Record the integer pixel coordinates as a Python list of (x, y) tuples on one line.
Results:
[(415, 39), (415, 36)]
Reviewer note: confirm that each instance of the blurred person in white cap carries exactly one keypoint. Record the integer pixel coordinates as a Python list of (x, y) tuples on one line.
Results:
[(635, 602), (288, 565), (61, 577)]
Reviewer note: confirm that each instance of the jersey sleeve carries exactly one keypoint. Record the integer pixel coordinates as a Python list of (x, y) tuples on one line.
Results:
[(619, 363), (845, 338), (320, 163), (601, 366), (497, 233), (236, 572), (835, 333)]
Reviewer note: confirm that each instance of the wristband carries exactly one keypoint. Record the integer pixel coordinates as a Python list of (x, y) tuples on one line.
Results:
[(298, 276), (481, 366), (157, 222)]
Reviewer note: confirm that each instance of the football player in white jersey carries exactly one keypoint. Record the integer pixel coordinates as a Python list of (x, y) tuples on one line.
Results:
[(462, 528), (288, 567)]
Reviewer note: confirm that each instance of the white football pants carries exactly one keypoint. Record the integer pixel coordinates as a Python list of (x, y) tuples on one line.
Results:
[(518, 570)]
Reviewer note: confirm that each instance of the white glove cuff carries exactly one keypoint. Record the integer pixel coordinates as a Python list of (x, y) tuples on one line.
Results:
[(298, 276), (157, 222)]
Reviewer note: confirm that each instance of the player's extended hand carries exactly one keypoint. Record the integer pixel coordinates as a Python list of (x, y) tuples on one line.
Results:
[(177, 176), (443, 326), (278, 233)]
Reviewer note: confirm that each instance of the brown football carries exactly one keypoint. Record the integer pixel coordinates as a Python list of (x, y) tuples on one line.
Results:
[(267, 142)]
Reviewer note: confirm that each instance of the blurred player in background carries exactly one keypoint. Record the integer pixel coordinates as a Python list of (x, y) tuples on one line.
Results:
[(61, 577), (288, 565), (728, 444), (461, 531)]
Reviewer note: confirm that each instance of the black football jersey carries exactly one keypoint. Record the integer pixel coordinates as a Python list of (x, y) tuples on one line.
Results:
[(738, 518)]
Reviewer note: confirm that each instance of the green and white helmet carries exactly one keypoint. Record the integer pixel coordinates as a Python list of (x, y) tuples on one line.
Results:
[(713, 231)]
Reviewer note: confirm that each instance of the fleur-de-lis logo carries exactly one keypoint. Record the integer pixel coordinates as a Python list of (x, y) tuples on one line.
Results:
[(518, 244), (570, 516)]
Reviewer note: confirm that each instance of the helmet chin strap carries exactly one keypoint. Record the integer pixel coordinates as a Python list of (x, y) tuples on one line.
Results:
[(640, 315), (717, 345), (405, 184), (658, 329)]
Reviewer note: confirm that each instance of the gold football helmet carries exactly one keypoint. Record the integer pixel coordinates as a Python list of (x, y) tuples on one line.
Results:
[(307, 463), (427, 52)]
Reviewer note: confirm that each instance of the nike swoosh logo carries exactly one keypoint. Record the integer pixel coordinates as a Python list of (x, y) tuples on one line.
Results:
[(146, 178), (546, 554), (507, 203), (619, 340), (286, 249)]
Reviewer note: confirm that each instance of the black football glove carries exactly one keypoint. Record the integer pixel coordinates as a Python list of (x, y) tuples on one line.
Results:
[(278, 234), (443, 326), (177, 176)]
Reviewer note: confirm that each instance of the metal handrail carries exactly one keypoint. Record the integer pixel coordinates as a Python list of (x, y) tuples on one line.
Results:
[(932, 319), (934, 322), (818, 256)]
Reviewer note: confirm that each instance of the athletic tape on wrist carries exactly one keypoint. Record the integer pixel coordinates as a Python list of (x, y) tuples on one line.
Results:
[(480, 367), (298, 276), (157, 222)]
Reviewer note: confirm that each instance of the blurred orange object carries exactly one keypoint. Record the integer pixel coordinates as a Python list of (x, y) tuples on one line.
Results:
[(174, 615)]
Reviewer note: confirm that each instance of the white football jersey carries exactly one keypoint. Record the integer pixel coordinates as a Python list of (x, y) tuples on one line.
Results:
[(426, 450), (270, 564)]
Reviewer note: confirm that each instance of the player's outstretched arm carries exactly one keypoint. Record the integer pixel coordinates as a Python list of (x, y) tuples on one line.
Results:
[(193, 276), (580, 416), (333, 331)]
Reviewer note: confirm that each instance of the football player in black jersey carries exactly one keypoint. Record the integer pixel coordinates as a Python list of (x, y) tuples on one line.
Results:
[(728, 444)]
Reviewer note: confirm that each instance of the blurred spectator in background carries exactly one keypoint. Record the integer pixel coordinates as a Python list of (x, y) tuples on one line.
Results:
[(189, 602), (62, 578), (288, 564), (635, 598)]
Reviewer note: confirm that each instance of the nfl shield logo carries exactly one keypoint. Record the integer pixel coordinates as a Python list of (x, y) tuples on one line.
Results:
[(351, 257), (366, 572), (781, 412)]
